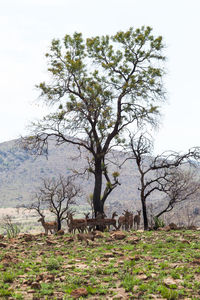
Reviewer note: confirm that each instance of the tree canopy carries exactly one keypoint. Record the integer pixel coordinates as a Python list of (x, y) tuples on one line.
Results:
[(99, 87)]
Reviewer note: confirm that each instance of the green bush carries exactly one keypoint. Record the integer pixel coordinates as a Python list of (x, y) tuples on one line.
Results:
[(53, 264), (158, 223)]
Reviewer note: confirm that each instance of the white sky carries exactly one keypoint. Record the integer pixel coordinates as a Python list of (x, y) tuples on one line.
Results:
[(28, 26)]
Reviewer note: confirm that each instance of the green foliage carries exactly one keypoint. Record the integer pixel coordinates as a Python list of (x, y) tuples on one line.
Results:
[(13, 231), (5, 292), (99, 71), (53, 264), (158, 223), (168, 293), (8, 277), (129, 281)]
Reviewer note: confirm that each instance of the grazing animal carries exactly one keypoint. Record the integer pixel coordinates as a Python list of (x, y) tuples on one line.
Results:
[(91, 223), (112, 221), (49, 226), (101, 221), (86, 236), (126, 220), (73, 224), (136, 219)]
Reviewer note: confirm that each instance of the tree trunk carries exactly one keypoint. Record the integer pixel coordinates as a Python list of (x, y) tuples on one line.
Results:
[(144, 210), (98, 205), (59, 223)]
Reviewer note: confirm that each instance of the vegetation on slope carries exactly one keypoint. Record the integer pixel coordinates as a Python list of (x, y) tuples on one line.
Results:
[(142, 265)]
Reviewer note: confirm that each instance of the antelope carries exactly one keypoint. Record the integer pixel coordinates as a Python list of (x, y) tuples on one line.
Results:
[(126, 220), (112, 221), (73, 224), (48, 226), (86, 237), (92, 223), (136, 219)]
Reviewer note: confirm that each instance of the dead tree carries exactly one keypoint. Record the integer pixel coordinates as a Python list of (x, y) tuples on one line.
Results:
[(155, 172), (56, 195)]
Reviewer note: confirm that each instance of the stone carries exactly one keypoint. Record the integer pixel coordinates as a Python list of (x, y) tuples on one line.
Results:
[(77, 293), (36, 285), (60, 232), (170, 282), (98, 234), (28, 237), (133, 240), (192, 227), (108, 255), (173, 226), (166, 228), (119, 235), (50, 242)]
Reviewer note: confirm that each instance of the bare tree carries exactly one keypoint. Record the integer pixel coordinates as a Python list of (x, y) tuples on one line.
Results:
[(58, 195), (158, 173), (180, 186)]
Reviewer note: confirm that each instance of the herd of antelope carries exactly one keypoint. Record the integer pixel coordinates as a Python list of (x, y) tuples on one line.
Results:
[(126, 222)]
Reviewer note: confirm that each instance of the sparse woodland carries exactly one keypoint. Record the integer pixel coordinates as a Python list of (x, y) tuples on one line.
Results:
[(111, 219)]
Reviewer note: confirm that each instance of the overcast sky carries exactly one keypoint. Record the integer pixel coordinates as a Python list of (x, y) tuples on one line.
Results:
[(28, 26)]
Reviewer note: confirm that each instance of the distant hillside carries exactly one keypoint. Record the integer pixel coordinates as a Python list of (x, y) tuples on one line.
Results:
[(21, 173)]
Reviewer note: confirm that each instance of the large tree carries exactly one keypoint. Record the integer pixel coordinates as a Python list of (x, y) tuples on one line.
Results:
[(99, 87)]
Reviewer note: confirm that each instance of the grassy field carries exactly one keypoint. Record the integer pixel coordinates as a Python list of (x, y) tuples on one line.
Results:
[(142, 265)]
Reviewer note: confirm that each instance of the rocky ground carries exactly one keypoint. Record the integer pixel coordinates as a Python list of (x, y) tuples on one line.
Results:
[(114, 265)]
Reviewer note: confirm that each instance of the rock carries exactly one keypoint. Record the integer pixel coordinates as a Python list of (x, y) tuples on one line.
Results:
[(133, 240), (81, 292), (50, 242), (36, 285), (121, 295), (119, 235), (28, 237), (173, 226), (192, 227), (3, 245), (137, 257), (142, 277), (60, 232), (69, 239), (108, 255), (166, 228), (98, 234), (196, 261), (170, 282)]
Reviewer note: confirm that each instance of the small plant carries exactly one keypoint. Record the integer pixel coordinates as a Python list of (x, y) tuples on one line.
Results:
[(5, 293), (129, 281), (53, 264), (12, 230), (158, 223), (8, 277), (168, 293)]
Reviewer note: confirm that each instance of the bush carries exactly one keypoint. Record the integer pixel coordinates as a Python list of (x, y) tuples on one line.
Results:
[(158, 223)]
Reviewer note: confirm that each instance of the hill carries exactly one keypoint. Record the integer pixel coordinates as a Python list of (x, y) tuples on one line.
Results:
[(21, 173)]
